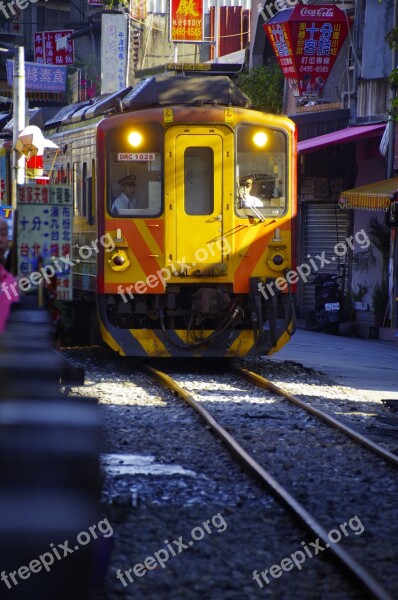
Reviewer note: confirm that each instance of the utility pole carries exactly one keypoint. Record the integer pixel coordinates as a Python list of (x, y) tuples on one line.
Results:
[(19, 117), (18, 164), (216, 31)]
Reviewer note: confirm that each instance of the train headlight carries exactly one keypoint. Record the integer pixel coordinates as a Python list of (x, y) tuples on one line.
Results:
[(277, 260), (119, 261), (260, 139), (134, 139)]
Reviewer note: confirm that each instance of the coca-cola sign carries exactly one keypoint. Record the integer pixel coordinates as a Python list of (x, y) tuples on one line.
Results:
[(324, 12), (307, 41)]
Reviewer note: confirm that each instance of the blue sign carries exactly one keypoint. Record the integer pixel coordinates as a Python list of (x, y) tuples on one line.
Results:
[(7, 213), (43, 78)]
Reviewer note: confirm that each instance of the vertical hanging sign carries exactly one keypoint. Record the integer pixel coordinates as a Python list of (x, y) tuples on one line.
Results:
[(49, 49), (186, 21), (307, 41), (113, 52)]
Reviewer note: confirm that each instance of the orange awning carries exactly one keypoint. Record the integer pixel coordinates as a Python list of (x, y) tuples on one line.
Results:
[(374, 196)]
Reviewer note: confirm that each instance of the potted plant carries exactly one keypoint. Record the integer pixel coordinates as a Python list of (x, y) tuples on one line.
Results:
[(359, 296), (380, 302), (379, 235)]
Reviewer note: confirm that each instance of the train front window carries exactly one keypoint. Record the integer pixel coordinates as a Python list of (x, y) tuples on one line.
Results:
[(135, 171), (261, 172)]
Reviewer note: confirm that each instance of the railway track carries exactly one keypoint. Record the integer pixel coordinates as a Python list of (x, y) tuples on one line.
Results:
[(367, 582), (325, 471)]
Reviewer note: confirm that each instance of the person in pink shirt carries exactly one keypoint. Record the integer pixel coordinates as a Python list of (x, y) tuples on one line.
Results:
[(8, 285)]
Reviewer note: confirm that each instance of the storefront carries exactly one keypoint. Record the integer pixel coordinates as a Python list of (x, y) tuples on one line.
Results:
[(329, 164), (374, 209)]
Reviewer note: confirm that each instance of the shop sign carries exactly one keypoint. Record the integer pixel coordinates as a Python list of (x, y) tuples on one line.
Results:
[(54, 47), (114, 36), (186, 21), (43, 78), (307, 41), (44, 232)]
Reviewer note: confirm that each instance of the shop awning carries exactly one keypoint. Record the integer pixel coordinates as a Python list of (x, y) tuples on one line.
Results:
[(350, 134), (374, 196)]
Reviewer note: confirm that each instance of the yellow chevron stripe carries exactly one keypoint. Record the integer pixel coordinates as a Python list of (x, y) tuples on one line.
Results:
[(108, 339), (150, 342), (242, 345), (146, 233), (284, 339)]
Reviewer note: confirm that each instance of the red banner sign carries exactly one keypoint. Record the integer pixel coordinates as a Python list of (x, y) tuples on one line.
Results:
[(54, 47), (186, 20), (306, 41)]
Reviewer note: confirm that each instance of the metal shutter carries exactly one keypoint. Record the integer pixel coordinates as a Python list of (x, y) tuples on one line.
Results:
[(325, 226)]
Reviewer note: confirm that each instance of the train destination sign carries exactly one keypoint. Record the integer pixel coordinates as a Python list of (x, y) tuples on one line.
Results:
[(307, 41)]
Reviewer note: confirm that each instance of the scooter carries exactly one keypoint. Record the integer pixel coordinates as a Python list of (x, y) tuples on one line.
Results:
[(328, 302)]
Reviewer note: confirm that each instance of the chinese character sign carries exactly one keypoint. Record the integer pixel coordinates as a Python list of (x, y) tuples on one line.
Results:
[(306, 41), (45, 78), (186, 20), (53, 47), (44, 232), (113, 53), (3, 177)]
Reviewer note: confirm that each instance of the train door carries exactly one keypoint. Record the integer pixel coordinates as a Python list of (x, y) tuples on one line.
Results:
[(194, 182)]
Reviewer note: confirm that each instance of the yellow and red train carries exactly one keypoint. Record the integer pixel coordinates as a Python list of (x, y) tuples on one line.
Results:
[(203, 235)]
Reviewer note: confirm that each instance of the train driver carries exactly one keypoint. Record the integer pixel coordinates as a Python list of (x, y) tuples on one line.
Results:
[(245, 188), (126, 198)]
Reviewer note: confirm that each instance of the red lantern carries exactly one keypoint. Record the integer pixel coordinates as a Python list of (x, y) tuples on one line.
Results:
[(34, 166), (306, 41)]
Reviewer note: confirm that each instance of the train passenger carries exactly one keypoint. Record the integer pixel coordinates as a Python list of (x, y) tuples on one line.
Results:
[(8, 285), (126, 198), (245, 187)]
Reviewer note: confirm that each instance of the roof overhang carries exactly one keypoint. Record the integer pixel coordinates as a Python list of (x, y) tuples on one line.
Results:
[(343, 136), (374, 196)]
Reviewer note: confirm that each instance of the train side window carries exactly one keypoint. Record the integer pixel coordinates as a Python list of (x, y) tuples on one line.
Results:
[(198, 180), (84, 190), (77, 190), (90, 219), (91, 195)]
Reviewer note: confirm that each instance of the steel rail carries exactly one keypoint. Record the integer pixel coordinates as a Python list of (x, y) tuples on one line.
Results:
[(364, 579), (261, 381)]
